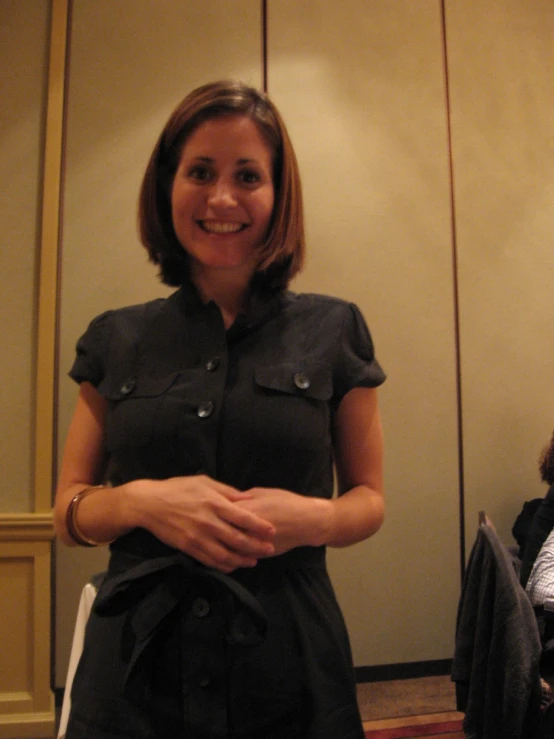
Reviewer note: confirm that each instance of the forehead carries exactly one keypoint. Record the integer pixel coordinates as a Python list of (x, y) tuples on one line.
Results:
[(228, 137)]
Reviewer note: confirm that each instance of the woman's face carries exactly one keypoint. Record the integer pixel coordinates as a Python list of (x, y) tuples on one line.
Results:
[(222, 196)]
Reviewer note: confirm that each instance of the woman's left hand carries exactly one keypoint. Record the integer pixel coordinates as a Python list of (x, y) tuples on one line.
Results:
[(299, 520)]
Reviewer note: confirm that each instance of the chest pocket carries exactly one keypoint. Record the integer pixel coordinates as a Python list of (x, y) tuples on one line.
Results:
[(293, 404), (140, 412), (310, 381)]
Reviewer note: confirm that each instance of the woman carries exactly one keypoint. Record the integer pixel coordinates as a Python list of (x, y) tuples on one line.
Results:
[(214, 417)]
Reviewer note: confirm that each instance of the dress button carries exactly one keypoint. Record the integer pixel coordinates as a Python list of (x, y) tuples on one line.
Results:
[(205, 409), (212, 364), (301, 381), (201, 608), (128, 386), (204, 681)]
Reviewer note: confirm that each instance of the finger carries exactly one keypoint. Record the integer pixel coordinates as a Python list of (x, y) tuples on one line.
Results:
[(237, 495), (232, 494), (249, 522), (227, 491), (232, 537), (218, 556), (247, 546)]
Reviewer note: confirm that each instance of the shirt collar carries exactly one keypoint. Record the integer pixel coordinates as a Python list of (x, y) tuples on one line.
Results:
[(262, 306)]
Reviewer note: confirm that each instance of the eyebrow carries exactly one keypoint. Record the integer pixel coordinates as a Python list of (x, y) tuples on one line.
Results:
[(240, 162)]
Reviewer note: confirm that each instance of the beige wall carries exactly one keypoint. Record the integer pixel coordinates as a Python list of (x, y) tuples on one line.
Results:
[(370, 128), (362, 87), (502, 87), (23, 78)]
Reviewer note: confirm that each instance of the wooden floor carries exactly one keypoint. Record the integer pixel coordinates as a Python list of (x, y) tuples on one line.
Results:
[(448, 724)]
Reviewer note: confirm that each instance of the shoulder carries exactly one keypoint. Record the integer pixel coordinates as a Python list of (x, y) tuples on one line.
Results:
[(110, 343), (315, 301), (118, 328), (136, 312), (314, 304), (129, 319), (326, 311)]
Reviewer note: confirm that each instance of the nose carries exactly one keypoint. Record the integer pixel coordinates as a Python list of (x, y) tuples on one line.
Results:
[(222, 194)]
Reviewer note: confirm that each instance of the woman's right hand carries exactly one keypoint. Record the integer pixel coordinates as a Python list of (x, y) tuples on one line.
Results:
[(198, 516)]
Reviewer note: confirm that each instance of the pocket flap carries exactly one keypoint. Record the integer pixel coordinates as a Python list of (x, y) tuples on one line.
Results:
[(137, 387), (295, 378)]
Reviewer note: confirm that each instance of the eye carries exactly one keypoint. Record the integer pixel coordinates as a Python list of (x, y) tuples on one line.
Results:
[(199, 173), (248, 177)]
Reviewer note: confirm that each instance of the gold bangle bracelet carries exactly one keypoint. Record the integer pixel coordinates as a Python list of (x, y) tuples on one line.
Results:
[(71, 519)]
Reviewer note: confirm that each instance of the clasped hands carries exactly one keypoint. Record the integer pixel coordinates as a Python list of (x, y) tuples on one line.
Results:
[(225, 528)]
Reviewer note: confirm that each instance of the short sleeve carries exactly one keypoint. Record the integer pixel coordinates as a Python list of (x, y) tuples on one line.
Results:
[(357, 366), (92, 351)]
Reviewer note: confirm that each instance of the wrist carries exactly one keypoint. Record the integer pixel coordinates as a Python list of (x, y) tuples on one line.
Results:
[(134, 503), (324, 522), (72, 522)]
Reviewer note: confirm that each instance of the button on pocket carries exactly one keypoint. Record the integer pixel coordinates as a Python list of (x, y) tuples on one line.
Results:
[(311, 381), (205, 410), (128, 386), (301, 381), (212, 364)]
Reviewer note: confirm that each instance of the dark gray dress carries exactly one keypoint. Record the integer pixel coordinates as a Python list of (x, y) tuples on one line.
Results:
[(175, 649)]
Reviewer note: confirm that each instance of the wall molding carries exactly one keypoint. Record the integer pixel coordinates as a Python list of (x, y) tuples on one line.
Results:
[(26, 526)]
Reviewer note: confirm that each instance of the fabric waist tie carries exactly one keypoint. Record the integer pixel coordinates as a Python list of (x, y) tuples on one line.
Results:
[(158, 586), (153, 585)]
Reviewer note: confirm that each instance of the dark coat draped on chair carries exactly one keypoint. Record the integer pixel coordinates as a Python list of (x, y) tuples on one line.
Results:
[(497, 652)]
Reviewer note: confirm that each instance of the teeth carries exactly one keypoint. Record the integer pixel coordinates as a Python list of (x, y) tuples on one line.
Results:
[(221, 227)]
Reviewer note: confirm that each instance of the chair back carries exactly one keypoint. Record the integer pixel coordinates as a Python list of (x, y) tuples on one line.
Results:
[(497, 647)]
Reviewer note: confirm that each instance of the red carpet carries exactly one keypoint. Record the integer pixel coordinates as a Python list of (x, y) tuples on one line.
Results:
[(414, 731)]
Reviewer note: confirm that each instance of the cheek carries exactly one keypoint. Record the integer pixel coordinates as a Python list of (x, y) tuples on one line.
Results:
[(265, 209), (183, 198)]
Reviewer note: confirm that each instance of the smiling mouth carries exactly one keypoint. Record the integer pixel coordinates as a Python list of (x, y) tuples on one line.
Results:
[(221, 227)]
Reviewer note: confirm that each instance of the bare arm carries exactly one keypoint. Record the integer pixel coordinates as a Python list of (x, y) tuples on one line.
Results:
[(358, 512), (194, 514)]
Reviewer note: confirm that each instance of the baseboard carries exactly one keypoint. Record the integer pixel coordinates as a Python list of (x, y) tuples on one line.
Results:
[(28, 725), (372, 674), (403, 671)]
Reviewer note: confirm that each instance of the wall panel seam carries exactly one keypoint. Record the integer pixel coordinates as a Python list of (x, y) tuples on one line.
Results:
[(456, 299)]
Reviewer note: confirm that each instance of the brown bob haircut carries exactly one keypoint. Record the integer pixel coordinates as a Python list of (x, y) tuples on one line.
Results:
[(282, 254)]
